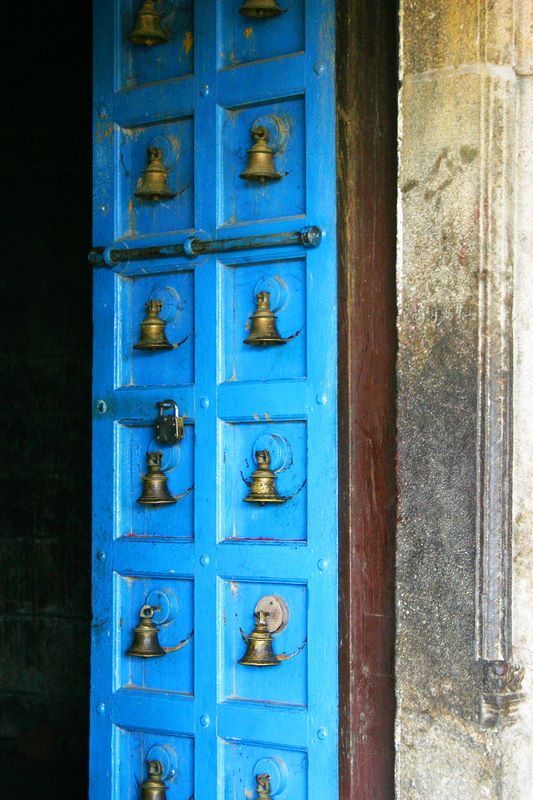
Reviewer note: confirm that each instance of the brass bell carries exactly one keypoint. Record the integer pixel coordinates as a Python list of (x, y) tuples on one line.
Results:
[(260, 9), (145, 639), (155, 490), (263, 787), (148, 28), (153, 184), (154, 787), (264, 330), (259, 651), (260, 165), (263, 487), (153, 336)]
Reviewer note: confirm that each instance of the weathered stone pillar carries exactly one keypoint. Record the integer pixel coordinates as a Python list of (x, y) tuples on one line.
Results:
[(465, 406)]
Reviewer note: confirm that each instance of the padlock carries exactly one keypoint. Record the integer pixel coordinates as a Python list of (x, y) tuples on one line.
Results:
[(169, 428)]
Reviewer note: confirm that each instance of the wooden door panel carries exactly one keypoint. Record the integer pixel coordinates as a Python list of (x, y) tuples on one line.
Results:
[(211, 557)]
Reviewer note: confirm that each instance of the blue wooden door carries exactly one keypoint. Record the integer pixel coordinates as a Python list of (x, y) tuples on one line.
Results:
[(174, 123)]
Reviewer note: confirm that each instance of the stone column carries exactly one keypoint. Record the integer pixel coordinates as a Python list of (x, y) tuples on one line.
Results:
[(465, 404)]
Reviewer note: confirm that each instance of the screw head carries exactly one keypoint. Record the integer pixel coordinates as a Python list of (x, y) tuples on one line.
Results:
[(322, 734), (204, 402), (322, 399), (204, 559), (100, 708), (100, 555), (204, 91), (204, 720), (322, 564)]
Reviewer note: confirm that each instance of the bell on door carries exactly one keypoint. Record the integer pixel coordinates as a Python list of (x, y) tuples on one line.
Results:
[(263, 787), (155, 490), (259, 651), (264, 331), (154, 787), (145, 640), (148, 28), (263, 486), (153, 336), (153, 183), (260, 165), (260, 9)]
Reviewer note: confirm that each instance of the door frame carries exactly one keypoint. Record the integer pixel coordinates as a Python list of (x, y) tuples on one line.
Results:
[(367, 102)]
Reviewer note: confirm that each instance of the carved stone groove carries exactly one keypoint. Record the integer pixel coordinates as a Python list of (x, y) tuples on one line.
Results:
[(494, 491)]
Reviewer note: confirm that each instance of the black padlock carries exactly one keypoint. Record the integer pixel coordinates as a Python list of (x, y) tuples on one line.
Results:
[(169, 428)]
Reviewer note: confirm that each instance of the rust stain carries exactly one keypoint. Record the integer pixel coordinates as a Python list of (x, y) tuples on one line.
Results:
[(188, 42), (249, 32), (131, 215)]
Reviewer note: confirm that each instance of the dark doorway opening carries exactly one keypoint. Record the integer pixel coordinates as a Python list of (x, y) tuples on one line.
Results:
[(46, 365)]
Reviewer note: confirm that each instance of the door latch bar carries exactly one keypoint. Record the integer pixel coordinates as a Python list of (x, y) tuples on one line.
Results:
[(310, 236)]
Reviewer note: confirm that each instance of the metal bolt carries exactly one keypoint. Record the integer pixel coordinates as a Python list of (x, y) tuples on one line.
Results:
[(204, 91), (322, 399), (204, 402), (204, 721), (319, 67), (322, 564), (100, 555), (100, 708), (322, 734), (101, 405), (204, 560)]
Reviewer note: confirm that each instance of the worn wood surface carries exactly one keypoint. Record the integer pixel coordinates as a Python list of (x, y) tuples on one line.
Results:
[(366, 131)]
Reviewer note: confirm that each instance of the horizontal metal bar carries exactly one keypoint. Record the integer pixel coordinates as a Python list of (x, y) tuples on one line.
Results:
[(310, 236)]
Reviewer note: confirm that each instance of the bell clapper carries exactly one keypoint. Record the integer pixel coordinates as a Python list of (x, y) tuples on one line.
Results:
[(153, 183), (154, 788), (148, 30), (263, 330), (260, 166), (260, 9)]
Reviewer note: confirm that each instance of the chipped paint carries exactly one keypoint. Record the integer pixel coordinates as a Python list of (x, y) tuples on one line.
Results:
[(188, 42), (249, 32)]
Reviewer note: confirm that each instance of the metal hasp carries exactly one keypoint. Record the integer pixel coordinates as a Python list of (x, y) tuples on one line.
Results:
[(154, 788), (155, 490), (169, 428), (259, 651), (263, 787), (153, 336), (153, 183), (264, 331), (260, 165), (310, 236), (260, 9), (145, 639), (263, 486), (148, 30)]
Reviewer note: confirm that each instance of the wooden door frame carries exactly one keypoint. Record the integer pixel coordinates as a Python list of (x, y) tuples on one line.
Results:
[(367, 91)]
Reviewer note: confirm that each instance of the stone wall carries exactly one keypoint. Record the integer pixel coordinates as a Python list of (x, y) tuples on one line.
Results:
[(464, 575)]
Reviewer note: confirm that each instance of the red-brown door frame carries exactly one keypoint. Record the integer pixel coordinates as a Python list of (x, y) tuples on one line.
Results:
[(367, 86)]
